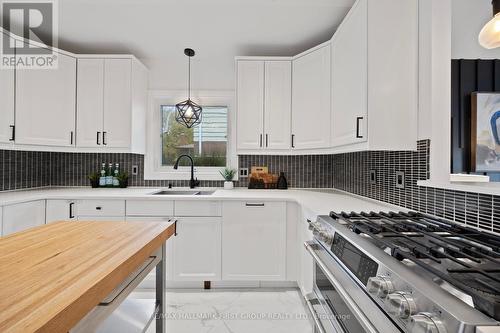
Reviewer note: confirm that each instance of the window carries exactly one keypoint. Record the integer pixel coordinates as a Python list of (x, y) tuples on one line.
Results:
[(211, 143), (206, 143)]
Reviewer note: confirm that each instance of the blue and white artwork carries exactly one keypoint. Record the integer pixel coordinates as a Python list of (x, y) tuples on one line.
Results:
[(486, 127)]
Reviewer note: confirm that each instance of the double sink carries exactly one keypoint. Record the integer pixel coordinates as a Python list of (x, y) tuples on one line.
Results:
[(183, 192)]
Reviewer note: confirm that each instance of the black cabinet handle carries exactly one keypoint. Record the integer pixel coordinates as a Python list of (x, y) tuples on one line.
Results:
[(104, 138), (98, 138), (293, 140), (358, 136), (13, 137), (71, 216), (267, 140), (71, 137), (255, 204), (98, 208), (260, 140)]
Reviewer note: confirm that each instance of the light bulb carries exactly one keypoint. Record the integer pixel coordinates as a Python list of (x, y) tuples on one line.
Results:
[(489, 37), (189, 112)]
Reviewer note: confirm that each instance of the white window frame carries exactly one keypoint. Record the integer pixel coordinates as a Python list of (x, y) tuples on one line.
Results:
[(153, 169)]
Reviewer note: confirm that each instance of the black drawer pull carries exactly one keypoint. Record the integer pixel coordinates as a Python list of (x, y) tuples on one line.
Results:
[(255, 204), (358, 136), (98, 208), (71, 216)]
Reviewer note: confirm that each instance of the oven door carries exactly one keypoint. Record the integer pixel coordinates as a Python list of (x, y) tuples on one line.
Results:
[(339, 304)]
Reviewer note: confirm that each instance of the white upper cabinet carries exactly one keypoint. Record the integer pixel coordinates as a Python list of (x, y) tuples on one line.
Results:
[(311, 99), (349, 77), (46, 104), (6, 105), (90, 102), (375, 77), (117, 103), (250, 117), (277, 105), (104, 104)]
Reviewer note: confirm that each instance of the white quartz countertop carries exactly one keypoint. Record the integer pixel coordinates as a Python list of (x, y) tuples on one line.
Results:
[(313, 201)]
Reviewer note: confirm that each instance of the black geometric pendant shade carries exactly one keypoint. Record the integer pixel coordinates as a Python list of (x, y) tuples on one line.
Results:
[(187, 112)]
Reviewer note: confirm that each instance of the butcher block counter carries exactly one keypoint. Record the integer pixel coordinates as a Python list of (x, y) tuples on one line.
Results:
[(54, 275)]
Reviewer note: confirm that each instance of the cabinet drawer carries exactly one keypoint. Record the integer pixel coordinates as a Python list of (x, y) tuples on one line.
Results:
[(150, 208), (197, 208), (101, 208)]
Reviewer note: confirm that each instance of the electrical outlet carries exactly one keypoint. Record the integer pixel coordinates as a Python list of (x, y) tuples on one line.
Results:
[(135, 170), (400, 179), (373, 177), (243, 172)]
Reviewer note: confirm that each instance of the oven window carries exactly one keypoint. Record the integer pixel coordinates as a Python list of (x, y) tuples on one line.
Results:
[(342, 314)]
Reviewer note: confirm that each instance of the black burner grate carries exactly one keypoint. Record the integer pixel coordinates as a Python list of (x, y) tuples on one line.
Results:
[(468, 259)]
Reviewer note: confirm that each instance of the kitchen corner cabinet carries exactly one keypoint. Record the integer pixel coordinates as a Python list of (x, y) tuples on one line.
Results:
[(375, 77), (311, 105), (264, 104), (23, 216), (108, 91), (45, 104), (254, 241), (196, 250)]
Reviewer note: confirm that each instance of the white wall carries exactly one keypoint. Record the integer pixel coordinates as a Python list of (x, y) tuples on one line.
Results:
[(468, 18)]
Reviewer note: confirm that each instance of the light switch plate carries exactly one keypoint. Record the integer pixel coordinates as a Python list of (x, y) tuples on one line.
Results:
[(135, 170), (400, 179), (243, 173)]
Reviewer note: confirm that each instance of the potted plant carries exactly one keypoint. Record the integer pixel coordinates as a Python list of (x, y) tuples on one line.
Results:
[(122, 179), (228, 175), (94, 179)]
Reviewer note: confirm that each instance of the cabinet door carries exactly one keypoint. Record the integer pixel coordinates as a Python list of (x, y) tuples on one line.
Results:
[(60, 210), (278, 104), (250, 115), (311, 100), (6, 103), (117, 103), (349, 78), (46, 104), (196, 251), (23, 216), (90, 102), (254, 241)]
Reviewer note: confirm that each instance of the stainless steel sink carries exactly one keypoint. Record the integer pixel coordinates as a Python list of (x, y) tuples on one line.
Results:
[(186, 192)]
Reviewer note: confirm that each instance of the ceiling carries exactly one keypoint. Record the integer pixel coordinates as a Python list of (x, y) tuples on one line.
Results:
[(157, 31)]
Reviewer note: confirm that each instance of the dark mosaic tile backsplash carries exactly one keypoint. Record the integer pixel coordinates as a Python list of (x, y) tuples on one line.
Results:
[(352, 174), (22, 170)]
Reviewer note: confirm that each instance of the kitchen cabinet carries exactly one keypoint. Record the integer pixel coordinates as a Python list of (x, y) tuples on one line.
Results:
[(60, 210), (253, 241), (196, 250), (306, 262), (107, 210), (23, 216), (111, 98), (45, 102), (375, 77), (311, 101), (6, 103), (264, 104), (1, 221), (150, 208)]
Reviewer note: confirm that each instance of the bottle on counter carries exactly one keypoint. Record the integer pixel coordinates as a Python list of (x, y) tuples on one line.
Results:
[(102, 178), (116, 183), (109, 175)]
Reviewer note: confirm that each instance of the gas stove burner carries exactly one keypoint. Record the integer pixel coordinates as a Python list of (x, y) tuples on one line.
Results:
[(466, 258)]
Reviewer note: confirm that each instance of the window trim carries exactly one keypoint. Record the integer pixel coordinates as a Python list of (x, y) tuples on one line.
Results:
[(153, 170)]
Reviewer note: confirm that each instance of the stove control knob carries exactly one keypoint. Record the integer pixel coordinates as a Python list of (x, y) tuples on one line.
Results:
[(380, 286), (326, 237), (401, 304), (425, 322)]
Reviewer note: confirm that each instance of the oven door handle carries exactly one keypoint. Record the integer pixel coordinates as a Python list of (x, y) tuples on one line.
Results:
[(314, 316), (341, 290)]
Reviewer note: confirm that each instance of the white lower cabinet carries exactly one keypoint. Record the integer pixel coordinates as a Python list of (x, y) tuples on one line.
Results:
[(254, 241), (60, 210), (23, 216), (196, 250)]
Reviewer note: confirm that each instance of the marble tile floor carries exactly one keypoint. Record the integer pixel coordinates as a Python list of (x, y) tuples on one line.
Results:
[(234, 311)]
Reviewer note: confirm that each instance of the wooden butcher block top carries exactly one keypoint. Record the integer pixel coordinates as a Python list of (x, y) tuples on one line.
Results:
[(52, 276)]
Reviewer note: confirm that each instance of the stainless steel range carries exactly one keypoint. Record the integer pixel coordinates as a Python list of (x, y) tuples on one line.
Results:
[(403, 272)]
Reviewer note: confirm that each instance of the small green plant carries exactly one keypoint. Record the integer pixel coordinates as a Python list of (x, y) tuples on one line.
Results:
[(122, 179), (94, 176), (228, 174)]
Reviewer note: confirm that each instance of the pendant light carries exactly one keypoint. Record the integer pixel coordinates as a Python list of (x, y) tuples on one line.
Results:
[(489, 37), (188, 113)]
